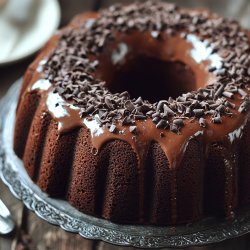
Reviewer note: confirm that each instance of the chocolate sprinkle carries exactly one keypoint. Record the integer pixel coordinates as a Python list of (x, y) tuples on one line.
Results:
[(216, 120), (198, 112), (174, 128), (113, 128), (202, 122), (178, 122), (228, 94), (71, 70), (242, 92), (162, 124), (244, 106), (133, 129)]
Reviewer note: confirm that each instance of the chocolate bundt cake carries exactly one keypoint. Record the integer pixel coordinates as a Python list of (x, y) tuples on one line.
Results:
[(139, 114)]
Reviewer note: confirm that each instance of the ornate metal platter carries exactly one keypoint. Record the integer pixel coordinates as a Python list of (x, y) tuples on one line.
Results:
[(60, 213)]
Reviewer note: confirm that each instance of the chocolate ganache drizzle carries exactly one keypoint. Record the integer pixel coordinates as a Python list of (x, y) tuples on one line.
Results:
[(215, 49)]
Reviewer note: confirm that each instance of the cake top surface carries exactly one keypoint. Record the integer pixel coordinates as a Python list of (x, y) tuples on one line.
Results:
[(72, 66)]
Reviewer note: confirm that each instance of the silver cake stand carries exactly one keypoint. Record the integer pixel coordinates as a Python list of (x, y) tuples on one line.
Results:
[(60, 213)]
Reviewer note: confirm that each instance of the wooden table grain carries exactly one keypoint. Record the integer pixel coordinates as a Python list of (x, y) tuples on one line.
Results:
[(31, 232)]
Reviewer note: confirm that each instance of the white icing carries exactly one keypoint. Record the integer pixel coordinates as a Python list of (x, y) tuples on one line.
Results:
[(41, 84), (40, 65), (120, 53), (89, 23), (201, 51), (57, 106), (94, 126), (236, 134)]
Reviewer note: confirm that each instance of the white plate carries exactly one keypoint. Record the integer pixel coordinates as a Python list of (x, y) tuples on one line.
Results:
[(18, 43)]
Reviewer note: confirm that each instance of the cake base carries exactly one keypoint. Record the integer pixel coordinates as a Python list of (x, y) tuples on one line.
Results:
[(61, 213)]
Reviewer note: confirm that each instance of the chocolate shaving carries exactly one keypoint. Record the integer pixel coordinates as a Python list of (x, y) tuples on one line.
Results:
[(198, 112), (216, 120), (179, 122), (228, 94), (174, 128), (168, 110), (244, 106), (113, 129), (202, 122), (162, 124), (242, 92), (133, 129)]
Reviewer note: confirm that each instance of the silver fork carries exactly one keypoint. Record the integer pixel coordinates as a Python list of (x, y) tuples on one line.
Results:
[(6, 222)]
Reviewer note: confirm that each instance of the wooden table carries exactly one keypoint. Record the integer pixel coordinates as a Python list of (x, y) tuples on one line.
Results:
[(35, 234)]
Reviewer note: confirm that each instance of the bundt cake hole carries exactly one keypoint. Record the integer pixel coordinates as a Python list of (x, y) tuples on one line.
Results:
[(152, 79)]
